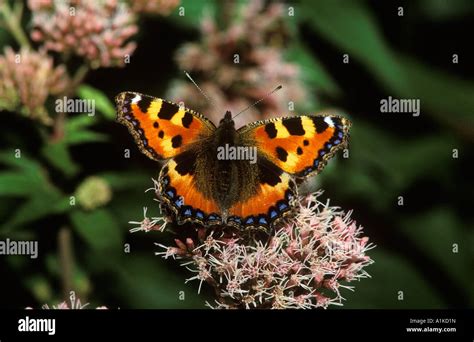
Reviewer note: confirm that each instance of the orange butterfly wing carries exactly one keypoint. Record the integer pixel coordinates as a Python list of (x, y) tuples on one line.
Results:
[(275, 197), (300, 145), (287, 148), (161, 129), (177, 189)]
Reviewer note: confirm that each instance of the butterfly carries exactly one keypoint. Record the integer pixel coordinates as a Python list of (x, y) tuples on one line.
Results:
[(196, 184)]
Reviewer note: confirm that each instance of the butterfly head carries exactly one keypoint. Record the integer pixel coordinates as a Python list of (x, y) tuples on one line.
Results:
[(227, 120), (226, 133)]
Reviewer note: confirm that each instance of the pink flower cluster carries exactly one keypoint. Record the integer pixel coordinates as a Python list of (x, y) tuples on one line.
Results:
[(241, 63), (72, 304), (304, 264), (98, 31), (26, 79)]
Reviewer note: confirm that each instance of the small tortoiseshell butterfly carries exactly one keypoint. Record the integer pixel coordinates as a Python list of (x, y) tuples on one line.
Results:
[(196, 186)]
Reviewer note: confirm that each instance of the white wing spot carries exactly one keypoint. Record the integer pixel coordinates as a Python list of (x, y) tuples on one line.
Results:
[(329, 121), (136, 99)]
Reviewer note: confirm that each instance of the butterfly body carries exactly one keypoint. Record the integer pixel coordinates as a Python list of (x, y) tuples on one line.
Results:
[(225, 181), (203, 183)]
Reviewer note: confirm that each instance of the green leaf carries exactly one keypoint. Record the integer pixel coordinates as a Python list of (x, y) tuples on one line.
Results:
[(58, 155), (23, 163), (76, 131), (99, 228), (26, 176), (389, 275), (19, 234), (81, 137), (5, 37), (148, 283), (127, 180), (40, 287), (436, 232), (375, 174), (78, 122), (312, 71), (128, 206), (102, 102), (440, 10), (38, 206), (456, 104), (193, 12), (356, 33), (18, 184)]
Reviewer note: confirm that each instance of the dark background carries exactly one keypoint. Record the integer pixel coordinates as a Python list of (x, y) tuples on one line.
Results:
[(391, 155)]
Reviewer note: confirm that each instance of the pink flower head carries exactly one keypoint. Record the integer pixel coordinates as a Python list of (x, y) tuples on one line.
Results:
[(27, 78), (305, 263), (73, 303), (98, 31), (240, 64)]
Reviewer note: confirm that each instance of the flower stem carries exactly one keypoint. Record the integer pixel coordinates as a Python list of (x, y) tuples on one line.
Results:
[(78, 78), (225, 10), (12, 22), (59, 122), (66, 259)]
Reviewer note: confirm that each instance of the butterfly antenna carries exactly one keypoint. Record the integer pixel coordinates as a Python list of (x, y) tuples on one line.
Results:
[(200, 90), (257, 102)]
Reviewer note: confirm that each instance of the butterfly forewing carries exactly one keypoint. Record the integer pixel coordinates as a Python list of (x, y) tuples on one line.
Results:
[(299, 145), (161, 129)]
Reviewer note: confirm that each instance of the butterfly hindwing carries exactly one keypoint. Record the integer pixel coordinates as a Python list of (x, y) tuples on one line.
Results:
[(273, 199), (271, 196), (161, 129), (180, 193), (300, 145)]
